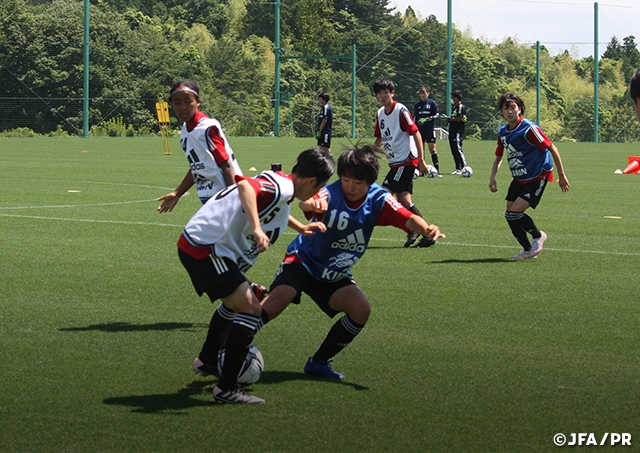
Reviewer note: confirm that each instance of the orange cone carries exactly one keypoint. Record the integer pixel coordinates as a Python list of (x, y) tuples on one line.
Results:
[(633, 167)]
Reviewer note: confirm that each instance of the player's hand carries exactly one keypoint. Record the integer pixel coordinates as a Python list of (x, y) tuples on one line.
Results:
[(318, 135), (421, 121), (318, 205), (493, 185), (564, 183), (422, 166), (311, 228), (262, 240), (433, 231), (169, 201)]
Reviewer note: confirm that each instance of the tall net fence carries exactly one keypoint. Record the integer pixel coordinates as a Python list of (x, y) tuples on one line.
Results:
[(134, 59)]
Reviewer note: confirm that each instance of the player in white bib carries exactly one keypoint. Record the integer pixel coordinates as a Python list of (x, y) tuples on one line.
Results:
[(402, 143), (222, 241), (213, 166)]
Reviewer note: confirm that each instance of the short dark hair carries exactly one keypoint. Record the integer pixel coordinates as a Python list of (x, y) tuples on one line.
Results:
[(315, 163), (423, 89), (187, 83), (324, 96), (510, 97), (383, 83), (634, 86), (360, 163), (457, 94)]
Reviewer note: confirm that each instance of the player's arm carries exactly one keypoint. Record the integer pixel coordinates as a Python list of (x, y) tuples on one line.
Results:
[(249, 200), (535, 135), (419, 225), (170, 200), (562, 178), (377, 134), (422, 165), (493, 185), (394, 214), (221, 156), (308, 229)]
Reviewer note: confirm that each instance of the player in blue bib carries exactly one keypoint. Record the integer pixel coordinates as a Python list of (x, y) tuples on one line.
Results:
[(320, 265), (529, 155)]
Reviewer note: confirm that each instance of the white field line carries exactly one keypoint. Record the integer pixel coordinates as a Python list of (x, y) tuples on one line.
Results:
[(114, 203), (456, 244)]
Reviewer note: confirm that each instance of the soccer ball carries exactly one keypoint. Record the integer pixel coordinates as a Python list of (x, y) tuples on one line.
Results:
[(467, 172), (251, 368), (432, 172)]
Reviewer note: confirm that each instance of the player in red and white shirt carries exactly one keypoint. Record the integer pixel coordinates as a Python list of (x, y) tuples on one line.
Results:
[(222, 241), (213, 166), (402, 142)]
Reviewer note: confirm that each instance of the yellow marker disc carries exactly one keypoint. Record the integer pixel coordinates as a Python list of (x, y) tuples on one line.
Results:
[(612, 217), (73, 191)]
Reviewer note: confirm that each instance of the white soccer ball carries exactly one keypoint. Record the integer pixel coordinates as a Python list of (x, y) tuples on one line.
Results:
[(467, 172), (432, 172), (251, 368)]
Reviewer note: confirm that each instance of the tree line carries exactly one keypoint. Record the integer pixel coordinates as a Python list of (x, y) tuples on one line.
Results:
[(139, 48)]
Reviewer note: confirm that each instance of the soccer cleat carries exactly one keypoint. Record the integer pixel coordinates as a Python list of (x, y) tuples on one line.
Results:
[(536, 244), (205, 369), (456, 172), (321, 369), (411, 238), (259, 290), (235, 396), (522, 255), (425, 242)]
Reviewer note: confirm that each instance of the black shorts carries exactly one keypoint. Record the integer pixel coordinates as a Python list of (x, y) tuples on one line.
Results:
[(299, 278), (531, 192), (217, 277), (428, 135), (400, 179), (325, 140)]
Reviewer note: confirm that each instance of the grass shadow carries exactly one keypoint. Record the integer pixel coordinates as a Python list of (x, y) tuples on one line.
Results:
[(128, 327), (162, 403), (475, 260), (276, 377)]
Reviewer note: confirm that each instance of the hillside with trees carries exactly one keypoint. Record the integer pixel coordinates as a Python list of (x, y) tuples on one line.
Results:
[(138, 49)]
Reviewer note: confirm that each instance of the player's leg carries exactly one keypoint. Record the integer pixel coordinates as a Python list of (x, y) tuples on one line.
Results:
[(434, 154), (245, 325), (521, 224), (207, 361), (216, 280), (334, 298)]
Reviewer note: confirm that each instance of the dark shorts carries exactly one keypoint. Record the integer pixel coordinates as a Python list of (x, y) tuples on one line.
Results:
[(299, 278), (531, 192), (215, 277), (400, 179), (428, 135), (325, 140)]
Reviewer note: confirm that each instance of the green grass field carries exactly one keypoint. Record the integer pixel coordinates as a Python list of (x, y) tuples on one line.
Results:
[(465, 350)]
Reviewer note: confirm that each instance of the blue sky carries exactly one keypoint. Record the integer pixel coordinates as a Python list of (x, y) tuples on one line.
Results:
[(558, 25)]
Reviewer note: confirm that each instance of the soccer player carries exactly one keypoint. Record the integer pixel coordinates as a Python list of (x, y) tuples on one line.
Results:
[(320, 265), (529, 155), (213, 165), (402, 142), (222, 241), (425, 111), (634, 91), (456, 131), (325, 122)]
